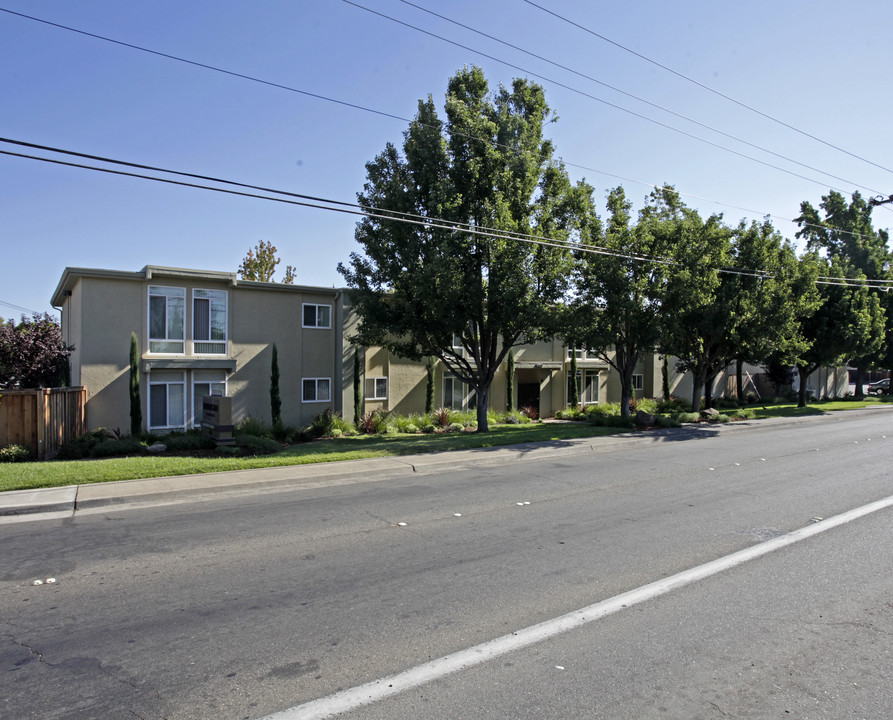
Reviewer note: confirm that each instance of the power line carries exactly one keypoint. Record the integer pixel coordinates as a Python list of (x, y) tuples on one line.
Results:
[(707, 87), (633, 96), (379, 214), (356, 106), (592, 97), (20, 308)]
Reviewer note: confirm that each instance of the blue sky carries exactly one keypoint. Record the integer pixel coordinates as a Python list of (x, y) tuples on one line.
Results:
[(819, 66)]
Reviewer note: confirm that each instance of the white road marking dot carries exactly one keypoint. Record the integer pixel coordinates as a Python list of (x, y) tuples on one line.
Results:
[(355, 697)]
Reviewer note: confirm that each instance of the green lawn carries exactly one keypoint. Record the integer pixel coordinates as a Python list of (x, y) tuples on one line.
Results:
[(22, 476)]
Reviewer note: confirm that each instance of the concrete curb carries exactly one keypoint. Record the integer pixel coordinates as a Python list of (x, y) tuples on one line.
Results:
[(72, 498)]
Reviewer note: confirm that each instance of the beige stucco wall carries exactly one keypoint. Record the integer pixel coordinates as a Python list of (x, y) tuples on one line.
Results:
[(104, 307)]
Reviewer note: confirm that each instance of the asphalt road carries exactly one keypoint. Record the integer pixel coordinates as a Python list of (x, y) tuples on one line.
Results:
[(240, 607)]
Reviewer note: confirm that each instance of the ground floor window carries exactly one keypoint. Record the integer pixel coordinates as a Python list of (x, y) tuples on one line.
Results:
[(456, 394), (316, 390), (167, 400), (587, 387), (205, 382), (376, 388)]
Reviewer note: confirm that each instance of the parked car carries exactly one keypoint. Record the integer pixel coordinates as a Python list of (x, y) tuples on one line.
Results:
[(881, 387)]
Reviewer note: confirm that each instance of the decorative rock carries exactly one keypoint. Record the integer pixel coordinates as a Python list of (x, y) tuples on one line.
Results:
[(644, 419), (709, 412), (157, 448)]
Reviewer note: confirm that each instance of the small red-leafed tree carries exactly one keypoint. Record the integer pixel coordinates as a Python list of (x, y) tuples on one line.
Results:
[(32, 353)]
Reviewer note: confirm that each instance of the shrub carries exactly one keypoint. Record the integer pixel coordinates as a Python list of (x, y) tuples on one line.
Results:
[(229, 450), (664, 421), (323, 424), (410, 429), (117, 446), (721, 418), (725, 403), (687, 417), (428, 429), (83, 445), (282, 432), (530, 412), (252, 426), (674, 404), (367, 424), (441, 417), (14, 453), (189, 440), (257, 445), (455, 427), (408, 424)]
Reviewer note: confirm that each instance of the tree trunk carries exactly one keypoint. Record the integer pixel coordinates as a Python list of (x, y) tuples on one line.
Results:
[(625, 393), (801, 396), (860, 382), (698, 380), (708, 390), (482, 397), (739, 380)]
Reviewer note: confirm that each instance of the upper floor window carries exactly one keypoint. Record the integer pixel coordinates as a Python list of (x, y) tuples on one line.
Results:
[(167, 306), (317, 316), (209, 322), (579, 352), (638, 381)]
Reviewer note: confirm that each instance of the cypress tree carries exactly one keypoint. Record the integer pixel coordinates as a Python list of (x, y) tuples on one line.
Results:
[(357, 389), (510, 383), (275, 398), (136, 412), (575, 388), (429, 387)]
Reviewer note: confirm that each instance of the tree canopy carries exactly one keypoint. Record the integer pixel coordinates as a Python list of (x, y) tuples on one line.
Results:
[(260, 264), (454, 283), (32, 353)]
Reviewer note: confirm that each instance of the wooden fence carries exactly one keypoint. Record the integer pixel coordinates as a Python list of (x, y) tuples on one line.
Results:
[(42, 419)]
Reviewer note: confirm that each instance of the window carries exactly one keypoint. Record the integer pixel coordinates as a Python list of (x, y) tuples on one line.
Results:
[(587, 387), (579, 352), (209, 322), (638, 381), (376, 388), (455, 393), (317, 316), (205, 382), (167, 400), (166, 311), (316, 390)]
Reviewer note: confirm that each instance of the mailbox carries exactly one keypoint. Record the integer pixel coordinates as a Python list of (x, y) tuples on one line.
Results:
[(217, 418)]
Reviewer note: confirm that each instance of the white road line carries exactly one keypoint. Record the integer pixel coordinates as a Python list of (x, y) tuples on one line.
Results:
[(371, 692)]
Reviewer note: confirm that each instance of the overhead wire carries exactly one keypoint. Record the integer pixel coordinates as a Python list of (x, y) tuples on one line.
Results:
[(355, 106), (707, 87), (291, 198), (570, 88), (635, 97)]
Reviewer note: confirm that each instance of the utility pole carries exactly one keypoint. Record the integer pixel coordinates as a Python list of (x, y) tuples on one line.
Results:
[(880, 200)]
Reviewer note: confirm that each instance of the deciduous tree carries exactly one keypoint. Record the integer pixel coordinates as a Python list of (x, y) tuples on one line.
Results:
[(465, 291), (32, 353)]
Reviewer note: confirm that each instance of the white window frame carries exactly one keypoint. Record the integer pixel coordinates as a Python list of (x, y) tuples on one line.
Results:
[(166, 383), (316, 384), (316, 324), (216, 387), (379, 388), (467, 392), (578, 351), (638, 381), (582, 376), (198, 344), (173, 293)]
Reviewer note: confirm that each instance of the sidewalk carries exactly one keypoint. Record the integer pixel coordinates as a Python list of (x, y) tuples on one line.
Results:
[(60, 502)]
